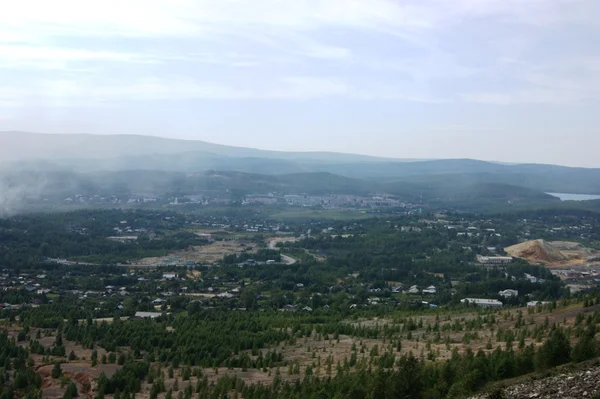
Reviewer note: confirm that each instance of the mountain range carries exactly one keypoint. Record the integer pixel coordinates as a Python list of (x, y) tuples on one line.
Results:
[(152, 164)]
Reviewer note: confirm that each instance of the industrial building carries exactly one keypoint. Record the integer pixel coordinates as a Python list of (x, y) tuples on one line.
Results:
[(484, 303)]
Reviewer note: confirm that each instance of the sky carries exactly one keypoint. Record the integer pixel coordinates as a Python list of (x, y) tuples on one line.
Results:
[(502, 80)]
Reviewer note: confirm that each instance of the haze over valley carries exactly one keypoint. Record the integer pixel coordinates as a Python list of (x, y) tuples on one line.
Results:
[(44, 169)]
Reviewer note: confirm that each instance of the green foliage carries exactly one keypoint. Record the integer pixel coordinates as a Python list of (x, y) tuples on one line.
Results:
[(555, 351), (56, 370), (586, 347), (71, 391)]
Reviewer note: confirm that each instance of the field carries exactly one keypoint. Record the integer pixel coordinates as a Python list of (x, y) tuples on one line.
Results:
[(203, 254)]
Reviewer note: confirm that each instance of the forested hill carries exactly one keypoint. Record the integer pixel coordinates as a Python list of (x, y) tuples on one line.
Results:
[(450, 192), (96, 153)]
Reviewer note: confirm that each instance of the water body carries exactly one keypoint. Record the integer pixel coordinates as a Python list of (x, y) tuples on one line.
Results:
[(575, 197)]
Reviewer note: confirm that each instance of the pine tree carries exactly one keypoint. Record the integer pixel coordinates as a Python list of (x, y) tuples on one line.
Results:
[(56, 370)]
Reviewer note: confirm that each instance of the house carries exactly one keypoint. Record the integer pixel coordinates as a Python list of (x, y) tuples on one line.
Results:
[(413, 290), (494, 260), (300, 285), (169, 276), (509, 293), (289, 308), (147, 315), (307, 309), (430, 290), (158, 301), (533, 304), (484, 303)]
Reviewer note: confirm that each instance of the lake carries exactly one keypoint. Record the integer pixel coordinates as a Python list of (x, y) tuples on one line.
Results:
[(575, 197)]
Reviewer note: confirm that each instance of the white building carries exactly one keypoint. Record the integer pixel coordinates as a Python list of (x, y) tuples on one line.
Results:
[(532, 279), (509, 293), (430, 290), (494, 260), (484, 303), (147, 315), (413, 290), (533, 304)]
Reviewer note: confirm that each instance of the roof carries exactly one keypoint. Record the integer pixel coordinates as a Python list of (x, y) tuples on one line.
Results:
[(482, 301), (147, 315)]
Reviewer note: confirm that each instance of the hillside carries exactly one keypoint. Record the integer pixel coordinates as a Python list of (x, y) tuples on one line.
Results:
[(18, 188), (19, 146), (98, 154), (579, 384)]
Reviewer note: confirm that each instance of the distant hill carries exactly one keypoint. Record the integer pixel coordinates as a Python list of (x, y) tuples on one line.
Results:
[(19, 146), (57, 185), (104, 153)]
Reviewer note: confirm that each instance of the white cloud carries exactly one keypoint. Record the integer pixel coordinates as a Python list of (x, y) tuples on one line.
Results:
[(413, 50), (527, 96), (14, 56), (73, 93)]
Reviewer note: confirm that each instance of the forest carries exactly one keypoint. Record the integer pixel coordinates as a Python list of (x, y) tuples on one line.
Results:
[(337, 321)]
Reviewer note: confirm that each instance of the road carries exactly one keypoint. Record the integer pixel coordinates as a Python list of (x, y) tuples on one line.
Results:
[(288, 260)]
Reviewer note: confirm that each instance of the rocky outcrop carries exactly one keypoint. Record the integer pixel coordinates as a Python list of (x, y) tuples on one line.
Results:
[(576, 385)]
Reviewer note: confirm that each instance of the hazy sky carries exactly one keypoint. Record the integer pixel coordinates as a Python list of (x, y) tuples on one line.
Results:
[(509, 80)]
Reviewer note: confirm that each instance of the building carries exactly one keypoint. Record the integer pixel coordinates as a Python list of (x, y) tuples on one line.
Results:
[(509, 293), (533, 304), (430, 290), (147, 315), (413, 290), (484, 303), (494, 260)]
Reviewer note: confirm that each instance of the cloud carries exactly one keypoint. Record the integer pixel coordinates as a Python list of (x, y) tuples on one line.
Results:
[(489, 51), (68, 93), (17, 56)]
